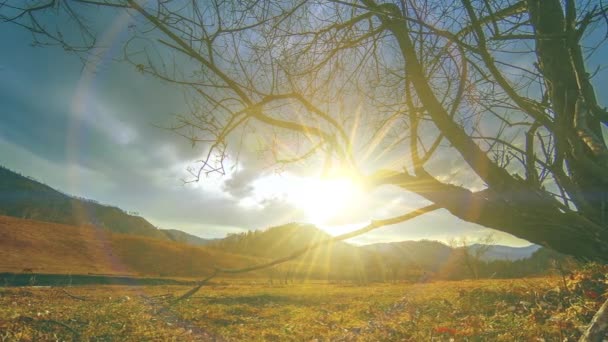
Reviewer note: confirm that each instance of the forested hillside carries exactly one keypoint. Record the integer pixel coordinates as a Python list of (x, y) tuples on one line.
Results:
[(24, 197)]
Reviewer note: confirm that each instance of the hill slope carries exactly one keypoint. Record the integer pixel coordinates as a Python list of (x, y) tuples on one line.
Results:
[(338, 261), (409, 260), (183, 237), (279, 241), (24, 197), (42, 247), (428, 255)]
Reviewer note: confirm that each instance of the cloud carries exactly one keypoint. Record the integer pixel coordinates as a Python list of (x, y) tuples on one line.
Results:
[(104, 119), (188, 207), (240, 185)]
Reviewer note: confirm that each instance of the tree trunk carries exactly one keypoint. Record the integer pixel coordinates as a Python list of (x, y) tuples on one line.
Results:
[(578, 134), (522, 214)]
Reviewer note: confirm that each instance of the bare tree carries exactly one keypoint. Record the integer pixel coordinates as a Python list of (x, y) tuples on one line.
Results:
[(396, 93), (472, 254)]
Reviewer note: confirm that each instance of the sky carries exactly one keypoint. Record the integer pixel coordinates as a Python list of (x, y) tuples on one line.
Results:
[(94, 133)]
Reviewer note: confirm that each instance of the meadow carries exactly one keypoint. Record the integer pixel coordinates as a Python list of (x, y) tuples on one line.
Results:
[(534, 309)]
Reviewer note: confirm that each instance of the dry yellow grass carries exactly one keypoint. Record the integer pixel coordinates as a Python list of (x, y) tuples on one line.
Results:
[(489, 310)]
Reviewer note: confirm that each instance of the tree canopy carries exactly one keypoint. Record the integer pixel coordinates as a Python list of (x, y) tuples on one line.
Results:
[(486, 108)]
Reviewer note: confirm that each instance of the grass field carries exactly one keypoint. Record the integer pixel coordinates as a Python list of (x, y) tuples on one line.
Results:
[(536, 309)]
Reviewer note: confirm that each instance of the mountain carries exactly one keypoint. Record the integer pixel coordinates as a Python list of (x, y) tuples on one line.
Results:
[(27, 198), (444, 262), (87, 235), (43, 247), (499, 252), (424, 254), (405, 260), (279, 241), (338, 261), (432, 254)]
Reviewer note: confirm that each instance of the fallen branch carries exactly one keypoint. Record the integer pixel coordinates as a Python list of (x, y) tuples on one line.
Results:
[(598, 326), (73, 296), (192, 291)]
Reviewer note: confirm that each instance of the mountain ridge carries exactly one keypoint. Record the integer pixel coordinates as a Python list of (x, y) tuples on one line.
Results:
[(34, 246)]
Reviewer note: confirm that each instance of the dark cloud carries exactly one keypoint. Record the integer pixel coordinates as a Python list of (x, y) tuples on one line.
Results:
[(240, 183)]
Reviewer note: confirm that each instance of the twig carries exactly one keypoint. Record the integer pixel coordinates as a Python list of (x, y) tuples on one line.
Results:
[(72, 330), (32, 321)]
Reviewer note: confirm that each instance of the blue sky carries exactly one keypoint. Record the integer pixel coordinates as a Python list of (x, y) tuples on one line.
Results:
[(93, 132)]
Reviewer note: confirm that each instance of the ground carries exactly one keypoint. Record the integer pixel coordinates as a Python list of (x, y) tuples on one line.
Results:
[(487, 310)]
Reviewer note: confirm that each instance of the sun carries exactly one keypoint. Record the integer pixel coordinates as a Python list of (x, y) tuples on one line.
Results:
[(327, 202), (322, 199)]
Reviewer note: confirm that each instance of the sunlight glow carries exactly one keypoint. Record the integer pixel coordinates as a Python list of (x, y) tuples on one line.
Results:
[(323, 199), (325, 202), (336, 230)]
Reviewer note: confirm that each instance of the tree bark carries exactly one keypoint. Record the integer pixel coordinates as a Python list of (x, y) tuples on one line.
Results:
[(596, 332)]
